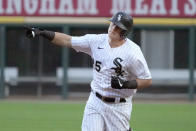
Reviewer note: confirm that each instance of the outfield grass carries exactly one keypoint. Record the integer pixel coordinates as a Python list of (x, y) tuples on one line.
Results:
[(67, 116), (164, 117)]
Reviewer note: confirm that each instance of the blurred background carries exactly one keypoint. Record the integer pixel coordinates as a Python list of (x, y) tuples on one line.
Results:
[(164, 29), (44, 87)]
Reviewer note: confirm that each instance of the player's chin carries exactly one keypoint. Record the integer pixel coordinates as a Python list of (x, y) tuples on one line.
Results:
[(112, 35), (109, 33)]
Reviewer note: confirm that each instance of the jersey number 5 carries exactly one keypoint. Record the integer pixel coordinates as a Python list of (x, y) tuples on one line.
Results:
[(97, 66)]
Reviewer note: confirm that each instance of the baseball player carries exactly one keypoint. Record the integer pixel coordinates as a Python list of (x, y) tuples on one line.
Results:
[(119, 69)]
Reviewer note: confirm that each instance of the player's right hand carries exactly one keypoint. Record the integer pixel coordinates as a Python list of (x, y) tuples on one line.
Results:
[(32, 32)]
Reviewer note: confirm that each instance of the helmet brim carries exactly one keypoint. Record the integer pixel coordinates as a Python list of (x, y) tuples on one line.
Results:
[(120, 25)]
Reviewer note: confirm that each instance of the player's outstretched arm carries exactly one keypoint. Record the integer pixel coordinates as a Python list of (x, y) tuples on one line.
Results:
[(55, 37), (62, 39)]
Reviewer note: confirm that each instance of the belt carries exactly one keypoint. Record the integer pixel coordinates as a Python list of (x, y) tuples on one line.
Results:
[(108, 99)]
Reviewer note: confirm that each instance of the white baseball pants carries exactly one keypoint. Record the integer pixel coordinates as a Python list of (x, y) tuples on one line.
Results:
[(101, 116)]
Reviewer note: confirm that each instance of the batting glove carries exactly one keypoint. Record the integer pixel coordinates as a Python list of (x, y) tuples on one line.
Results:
[(32, 32), (118, 83)]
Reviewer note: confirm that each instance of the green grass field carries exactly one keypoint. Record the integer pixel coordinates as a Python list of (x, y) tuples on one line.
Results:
[(67, 116)]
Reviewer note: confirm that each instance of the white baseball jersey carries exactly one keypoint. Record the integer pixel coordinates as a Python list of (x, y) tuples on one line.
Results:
[(126, 61)]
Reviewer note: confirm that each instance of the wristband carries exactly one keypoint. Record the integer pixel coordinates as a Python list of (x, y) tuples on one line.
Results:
[(48, 34), (130, 84)]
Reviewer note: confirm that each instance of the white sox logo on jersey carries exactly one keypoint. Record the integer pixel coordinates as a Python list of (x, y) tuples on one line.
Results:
[(118, 68)]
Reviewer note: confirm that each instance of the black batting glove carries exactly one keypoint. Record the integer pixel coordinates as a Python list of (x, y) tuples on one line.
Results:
[(32, 32), (117, 82)]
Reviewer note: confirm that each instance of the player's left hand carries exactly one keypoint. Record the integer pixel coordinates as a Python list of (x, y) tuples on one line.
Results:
[(117, 82)]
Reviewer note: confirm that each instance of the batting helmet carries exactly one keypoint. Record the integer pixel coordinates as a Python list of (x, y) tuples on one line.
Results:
[(123, 21)]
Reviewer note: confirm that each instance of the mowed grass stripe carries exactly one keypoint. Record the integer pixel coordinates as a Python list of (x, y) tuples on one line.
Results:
[(164, 117), (67, 116), (32, 116)]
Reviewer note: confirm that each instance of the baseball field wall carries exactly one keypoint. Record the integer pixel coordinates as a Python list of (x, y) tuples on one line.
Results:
[(156, 23), (159, 12)]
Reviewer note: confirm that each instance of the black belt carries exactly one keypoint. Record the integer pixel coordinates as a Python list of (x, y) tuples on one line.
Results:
[(108, 99)]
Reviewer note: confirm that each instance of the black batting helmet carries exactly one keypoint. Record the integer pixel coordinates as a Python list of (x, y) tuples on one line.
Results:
[(123, 21)]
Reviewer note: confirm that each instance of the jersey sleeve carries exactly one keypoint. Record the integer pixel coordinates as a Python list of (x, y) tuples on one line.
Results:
[(82, 43), (139, 67)]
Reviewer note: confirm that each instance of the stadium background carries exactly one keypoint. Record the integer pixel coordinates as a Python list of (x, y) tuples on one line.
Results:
[(164, 29)]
